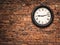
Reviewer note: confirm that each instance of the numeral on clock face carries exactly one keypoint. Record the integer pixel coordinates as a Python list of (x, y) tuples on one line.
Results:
[(36, 18), (39, 21), (47, 18), (42, 9)]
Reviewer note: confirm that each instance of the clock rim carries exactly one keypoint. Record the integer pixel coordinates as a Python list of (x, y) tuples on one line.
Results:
[(44, 25)]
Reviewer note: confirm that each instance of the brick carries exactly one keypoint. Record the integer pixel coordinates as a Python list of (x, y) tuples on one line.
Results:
[(16, 24)]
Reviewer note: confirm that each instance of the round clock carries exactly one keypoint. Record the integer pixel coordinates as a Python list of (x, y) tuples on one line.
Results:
[(42, 16)]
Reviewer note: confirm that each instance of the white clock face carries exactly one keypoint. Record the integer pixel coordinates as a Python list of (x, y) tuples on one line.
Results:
[(42, 16)]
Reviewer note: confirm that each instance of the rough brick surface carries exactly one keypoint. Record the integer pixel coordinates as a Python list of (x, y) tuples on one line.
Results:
[(16, 27)]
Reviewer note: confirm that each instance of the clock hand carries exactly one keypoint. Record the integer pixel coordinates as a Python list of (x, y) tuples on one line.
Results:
[(41, 15)]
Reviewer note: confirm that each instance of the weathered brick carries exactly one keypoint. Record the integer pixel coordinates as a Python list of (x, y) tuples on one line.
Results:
[(16, 25)]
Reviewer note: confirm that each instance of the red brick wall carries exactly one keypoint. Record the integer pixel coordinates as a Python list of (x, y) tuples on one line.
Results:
[(16, 27)]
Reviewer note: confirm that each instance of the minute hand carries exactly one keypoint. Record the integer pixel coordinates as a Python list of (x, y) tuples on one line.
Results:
[(41, 15)]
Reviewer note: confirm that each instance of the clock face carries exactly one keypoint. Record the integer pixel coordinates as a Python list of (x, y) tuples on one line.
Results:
[(42, 16)]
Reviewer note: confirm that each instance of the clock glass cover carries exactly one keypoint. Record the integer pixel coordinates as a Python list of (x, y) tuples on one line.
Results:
[(42, 16)]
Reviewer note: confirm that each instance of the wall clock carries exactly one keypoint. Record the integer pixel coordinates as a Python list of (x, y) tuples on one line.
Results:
[(42, 16)]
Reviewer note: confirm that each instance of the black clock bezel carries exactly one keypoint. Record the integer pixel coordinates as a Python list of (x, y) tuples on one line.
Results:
[(45, 25)]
